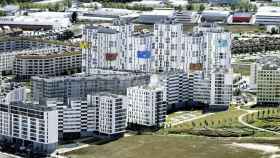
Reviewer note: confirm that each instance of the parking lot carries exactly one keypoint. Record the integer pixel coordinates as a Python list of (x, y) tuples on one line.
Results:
[(182, 116)]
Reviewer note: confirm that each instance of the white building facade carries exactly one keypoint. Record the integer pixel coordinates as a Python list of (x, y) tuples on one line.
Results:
[(146, 106), (31, 127), (110, 113), (168, 49)]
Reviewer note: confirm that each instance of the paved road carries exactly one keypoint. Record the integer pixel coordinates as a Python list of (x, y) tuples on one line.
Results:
[(6, 155), (191, 119), (240, 119)]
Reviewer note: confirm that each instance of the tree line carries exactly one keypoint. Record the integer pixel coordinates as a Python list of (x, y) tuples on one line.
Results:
[(108, 1)]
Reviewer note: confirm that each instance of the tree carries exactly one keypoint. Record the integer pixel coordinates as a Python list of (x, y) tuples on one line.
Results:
[(193, 124), (67, 3), (273, 30), (66, 35), (95, 7), (3, 3), (206, 123), (56, 7), (201, 7), (2, 13), (179, 8), (232, 7), (74, 17), (189, 7)]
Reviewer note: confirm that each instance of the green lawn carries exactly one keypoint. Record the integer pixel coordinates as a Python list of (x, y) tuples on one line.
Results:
[(219, 119), (243, 28), (243, 70), (148, 146)]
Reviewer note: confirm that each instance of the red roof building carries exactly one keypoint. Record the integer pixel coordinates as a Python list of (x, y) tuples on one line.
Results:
[(241, 17)]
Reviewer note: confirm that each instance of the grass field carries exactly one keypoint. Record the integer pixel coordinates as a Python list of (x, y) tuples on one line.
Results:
[(148, 146), (226, 118), (221, 124), (244, 70), (243, 28)]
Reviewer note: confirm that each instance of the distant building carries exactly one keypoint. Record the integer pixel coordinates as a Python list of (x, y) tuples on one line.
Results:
[(223, 2), (168, 37), (214, 16), (148, 3), (38, 21), (109, 14), (10, 47), (46, 62), (239, 17), (194, 56), (268, 15), (185, 17), (10, 10), (156, 16), (266, 74)]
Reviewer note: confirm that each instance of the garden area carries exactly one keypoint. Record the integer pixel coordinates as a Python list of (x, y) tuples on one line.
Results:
[(226, 124), (265, 118)]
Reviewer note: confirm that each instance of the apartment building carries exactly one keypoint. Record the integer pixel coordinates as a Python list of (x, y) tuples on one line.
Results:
[(102, 48), (176, 87), (221, 89), (138, 52), (110, 113), (167, 46), (46, 62), (185, 17), (146, 106), (169, 49), (80, 85), (10, 47), (101, 114), (29, 127), (13, 94), (267, 75)]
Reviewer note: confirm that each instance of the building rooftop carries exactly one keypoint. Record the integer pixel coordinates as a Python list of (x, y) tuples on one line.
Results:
[(38, 18), (159, 12), (268, 11), (123, 75), (269, 63), (31, 106), (107, 94), (102, 29), (44, 54), (242, 14)]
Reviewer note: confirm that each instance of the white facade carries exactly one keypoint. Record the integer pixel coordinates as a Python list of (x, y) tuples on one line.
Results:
[(32, 123), (167, 46), (101, 41), (110, 113), (268, 15), (175, 85), (221, 88), (265, 74), (75, 116), (101, 113), (146, 106), (198, 54)]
